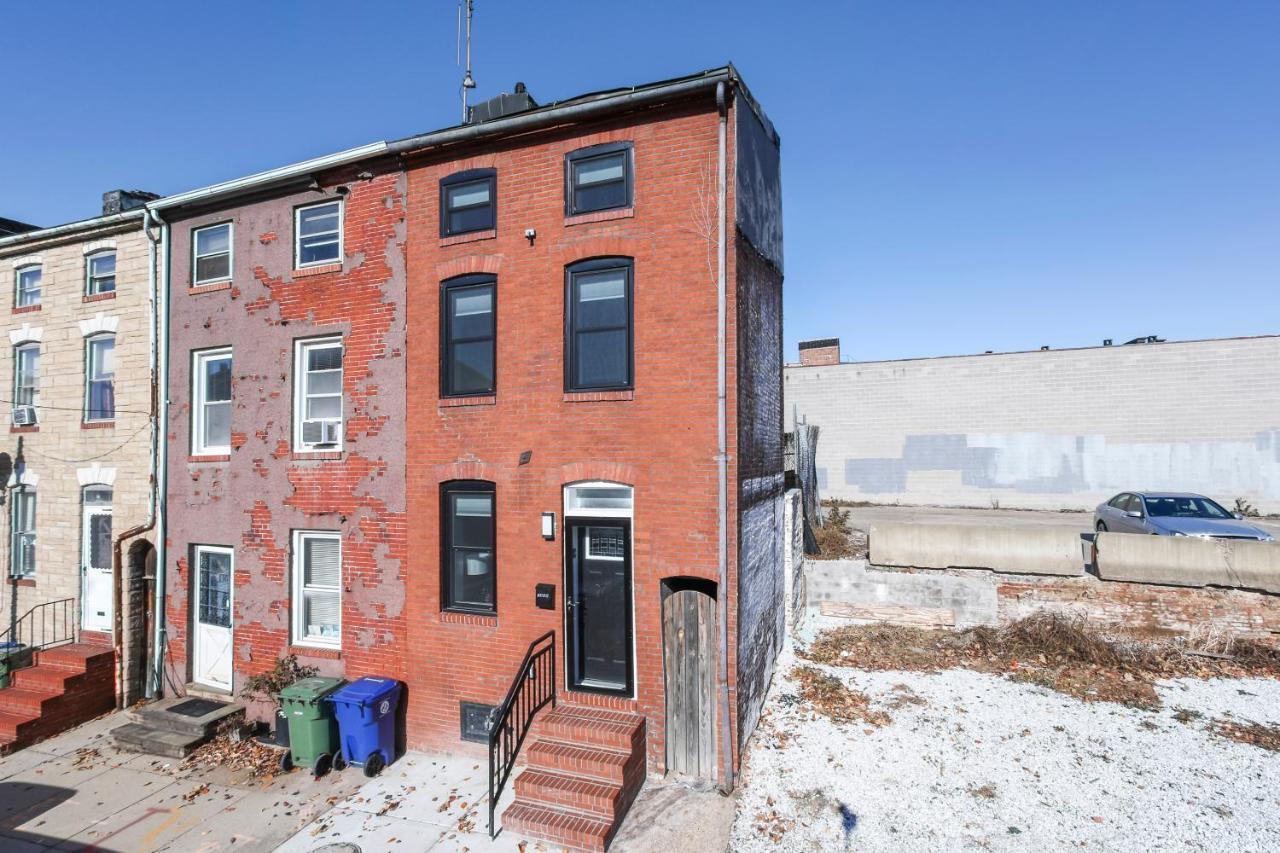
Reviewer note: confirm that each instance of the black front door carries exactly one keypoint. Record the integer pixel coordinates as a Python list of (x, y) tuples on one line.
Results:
[(598, 605)]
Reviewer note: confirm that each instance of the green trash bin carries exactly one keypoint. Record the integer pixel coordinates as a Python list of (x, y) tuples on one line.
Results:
[(12, 656), (313, 729)]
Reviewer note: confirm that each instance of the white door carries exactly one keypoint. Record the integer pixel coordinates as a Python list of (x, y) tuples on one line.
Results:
[(211, 661), (95, 560)]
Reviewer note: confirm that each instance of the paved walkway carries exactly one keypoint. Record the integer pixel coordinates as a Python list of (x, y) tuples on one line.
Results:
[(77, 792)]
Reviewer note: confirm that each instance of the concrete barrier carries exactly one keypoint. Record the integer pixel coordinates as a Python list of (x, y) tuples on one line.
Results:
[(971, 599), (1023, 550), (1189, 561)]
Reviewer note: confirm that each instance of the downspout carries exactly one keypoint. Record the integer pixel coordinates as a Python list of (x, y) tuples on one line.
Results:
[(118, 562), (722, 460), (155, 681)]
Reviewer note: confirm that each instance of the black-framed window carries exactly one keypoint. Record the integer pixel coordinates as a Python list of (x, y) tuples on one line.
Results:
[(468, 202), (598, 334), (468, 335), (470, 569), (598, 178)]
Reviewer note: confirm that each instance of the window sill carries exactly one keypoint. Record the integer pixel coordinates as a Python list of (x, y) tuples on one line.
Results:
[(315, 455), (24, 582), (33, 428), (209, 457), (210, 287), (469, 237), (318, 269), (478, 400), (98, 297), (460, 617), (324, 652), (600, 216), (98, 424), (25, 309), (598, 396)]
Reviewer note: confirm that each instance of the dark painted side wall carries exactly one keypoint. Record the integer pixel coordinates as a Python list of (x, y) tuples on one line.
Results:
[(758, 279), (253, 500)]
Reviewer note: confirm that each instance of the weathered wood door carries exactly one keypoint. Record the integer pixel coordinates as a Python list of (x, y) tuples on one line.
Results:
[(689, 664)]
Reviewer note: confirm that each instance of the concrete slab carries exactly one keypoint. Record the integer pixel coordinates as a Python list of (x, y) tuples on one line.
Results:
[(159, 821), (94, 734), (162, 715), (667, 817), (64, 805)]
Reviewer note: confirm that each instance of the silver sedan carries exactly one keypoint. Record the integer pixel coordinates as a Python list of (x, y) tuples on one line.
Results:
[(1173, 514)]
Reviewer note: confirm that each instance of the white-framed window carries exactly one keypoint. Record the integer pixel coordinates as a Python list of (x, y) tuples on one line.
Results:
[(317, 588), (317, 234), (26, 384), (27, 281), (211, 253), (23, 524), (317, 382), (100, 378), (211, 402), (100, 273)]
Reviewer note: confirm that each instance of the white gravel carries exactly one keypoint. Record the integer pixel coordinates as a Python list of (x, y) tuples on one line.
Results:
[(1065, 774)]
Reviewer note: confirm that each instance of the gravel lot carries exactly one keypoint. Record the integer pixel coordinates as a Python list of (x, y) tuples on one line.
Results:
[(973, 761)]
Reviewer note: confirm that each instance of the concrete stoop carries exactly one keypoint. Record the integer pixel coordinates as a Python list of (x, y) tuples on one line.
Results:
[(585, 768), (176, 726)]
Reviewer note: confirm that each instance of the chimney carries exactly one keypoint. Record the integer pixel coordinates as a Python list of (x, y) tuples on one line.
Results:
[(118, 201), (820, 352)]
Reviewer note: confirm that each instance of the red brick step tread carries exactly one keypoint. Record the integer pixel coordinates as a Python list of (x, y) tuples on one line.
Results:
[(563, 790), (26, 700), (588, 727), (605, 765), (558, 825)]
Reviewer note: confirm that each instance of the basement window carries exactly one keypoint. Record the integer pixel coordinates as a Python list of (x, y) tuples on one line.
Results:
[(474, 721), (317, 589), (318, 234), (468, 202), (598, 178), (212, 249), (100, 270)]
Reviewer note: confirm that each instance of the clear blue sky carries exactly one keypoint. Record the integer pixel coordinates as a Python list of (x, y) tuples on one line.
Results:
[(958, 176)]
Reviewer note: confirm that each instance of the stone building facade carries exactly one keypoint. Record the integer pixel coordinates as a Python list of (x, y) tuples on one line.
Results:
[(78, 401)]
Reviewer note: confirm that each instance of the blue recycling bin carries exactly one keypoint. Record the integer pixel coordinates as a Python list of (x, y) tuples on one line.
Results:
[(366, 711)]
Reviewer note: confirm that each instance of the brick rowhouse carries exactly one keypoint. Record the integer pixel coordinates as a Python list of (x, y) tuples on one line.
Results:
[(531, 438)]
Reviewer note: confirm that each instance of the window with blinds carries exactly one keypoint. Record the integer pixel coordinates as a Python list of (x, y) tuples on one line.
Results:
[(317, 589)]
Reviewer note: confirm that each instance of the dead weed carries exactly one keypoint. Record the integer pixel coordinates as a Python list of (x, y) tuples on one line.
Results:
[(1055, 650), (1255, 734), (833, 699)]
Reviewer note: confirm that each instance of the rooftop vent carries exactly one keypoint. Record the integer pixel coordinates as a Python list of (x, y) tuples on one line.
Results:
[(118, 201), (1146, 339), (504, 105)]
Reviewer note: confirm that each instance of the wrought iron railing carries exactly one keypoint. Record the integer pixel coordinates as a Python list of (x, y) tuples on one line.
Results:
[(43, 626), (534, 686)]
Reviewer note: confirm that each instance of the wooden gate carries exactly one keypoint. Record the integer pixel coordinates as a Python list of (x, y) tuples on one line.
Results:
[(689, 665)]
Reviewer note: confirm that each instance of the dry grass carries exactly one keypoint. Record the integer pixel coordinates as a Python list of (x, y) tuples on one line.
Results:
[(836, 539), (1255, 734), (829, 695), (1054, 650)]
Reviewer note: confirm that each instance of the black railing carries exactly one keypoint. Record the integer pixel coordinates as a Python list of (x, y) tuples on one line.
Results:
[(533, 688), (43, 626)]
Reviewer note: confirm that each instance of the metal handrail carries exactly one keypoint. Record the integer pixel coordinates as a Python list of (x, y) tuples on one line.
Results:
[(534, 686), (44, 626)]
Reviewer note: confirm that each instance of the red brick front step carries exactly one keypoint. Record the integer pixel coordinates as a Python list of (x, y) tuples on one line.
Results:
[(585, 768), (67, 686)]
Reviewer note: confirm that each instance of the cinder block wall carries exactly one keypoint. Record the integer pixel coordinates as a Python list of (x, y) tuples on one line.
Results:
[(1062, 429)]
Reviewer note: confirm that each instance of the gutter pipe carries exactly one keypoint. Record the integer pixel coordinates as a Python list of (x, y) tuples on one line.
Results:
[(155, 680), (722, 459), (118, 562)]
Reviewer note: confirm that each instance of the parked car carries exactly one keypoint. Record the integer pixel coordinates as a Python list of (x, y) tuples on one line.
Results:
[(1173, 514)]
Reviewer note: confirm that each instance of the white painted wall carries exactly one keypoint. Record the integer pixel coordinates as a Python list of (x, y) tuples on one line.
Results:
[(1063, 429)]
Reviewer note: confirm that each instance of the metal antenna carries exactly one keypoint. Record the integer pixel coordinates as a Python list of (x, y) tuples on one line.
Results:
[(468, 82)]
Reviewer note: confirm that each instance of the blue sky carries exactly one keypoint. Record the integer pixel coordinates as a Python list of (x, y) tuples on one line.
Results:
[(957, 176)]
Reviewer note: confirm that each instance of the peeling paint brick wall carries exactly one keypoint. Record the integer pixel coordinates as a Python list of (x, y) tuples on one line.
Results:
[(253, 499)]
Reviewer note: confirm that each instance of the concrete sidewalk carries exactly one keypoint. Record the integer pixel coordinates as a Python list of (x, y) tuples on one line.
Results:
[(77, 792), (439, 803)]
